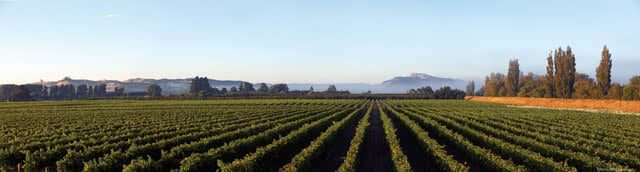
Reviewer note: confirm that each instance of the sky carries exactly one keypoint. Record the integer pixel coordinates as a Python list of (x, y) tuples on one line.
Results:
[(292, 41)]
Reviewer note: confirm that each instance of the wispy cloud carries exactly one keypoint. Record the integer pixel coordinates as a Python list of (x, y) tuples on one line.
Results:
[(109, 16), (7, 1)]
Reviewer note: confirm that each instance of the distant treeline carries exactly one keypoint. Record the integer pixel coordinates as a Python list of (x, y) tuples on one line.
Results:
[(442, 93), (290, 95), (29, 92), (560, 81), (198, 89), (201, 89)]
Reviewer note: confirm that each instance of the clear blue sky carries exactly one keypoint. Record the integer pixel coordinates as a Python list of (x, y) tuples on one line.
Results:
[(329, 41)]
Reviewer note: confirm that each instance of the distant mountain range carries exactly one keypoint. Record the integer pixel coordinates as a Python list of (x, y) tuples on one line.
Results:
[(416, 80), (398, 84)]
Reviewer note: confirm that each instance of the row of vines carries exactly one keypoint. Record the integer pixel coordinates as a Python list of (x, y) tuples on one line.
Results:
[(490, 137), (311, 135)]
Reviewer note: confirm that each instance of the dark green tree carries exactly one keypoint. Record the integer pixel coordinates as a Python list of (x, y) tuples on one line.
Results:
[(310, 92), (585, 87), (603, 73), (480, 91), (6, 90), (69, 92), (118, 91), (154, 90), (427, 90), (448, 93), (102, 90), (565, 69), (527, 85), (45, 92), (279, 88), (82, 91), (332, 89), (20, 93), (36, 90), (63, 92), (513, 77), (95, 92), (53, 92), (495, 85), (263, 88), (199, 84), (632, 90), (203, 94), (549, 86), (246, 87), (90, 92), (194, 87), (615, 92), (471, 88), (233, 90), (215, 91)]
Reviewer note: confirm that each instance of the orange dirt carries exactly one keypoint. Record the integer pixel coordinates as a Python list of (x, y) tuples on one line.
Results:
[(615, 105)]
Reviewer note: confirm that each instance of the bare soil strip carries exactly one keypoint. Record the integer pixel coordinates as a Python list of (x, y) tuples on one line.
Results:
[(609, 106), (375, 156), (578, 109)]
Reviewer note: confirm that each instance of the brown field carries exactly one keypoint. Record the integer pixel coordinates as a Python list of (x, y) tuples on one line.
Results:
[(614, 105)]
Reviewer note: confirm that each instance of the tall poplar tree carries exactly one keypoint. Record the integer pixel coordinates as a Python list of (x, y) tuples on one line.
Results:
[(494, 85), (471, 88), (549, 91), (603, 73), (565, 69), (513, 78)]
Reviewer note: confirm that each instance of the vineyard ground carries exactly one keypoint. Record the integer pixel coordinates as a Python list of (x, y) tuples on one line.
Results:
[(412, 149), (336, 151), (417, 158), (375, 153), (312, 135)]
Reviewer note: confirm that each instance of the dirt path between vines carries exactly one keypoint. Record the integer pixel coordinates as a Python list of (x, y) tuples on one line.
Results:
[(375, 154), (411, 148), (337, 150)]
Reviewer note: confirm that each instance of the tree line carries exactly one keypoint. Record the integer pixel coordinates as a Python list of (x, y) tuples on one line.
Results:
[(201, 88), (442, 93), (561, 80), (30, 92)]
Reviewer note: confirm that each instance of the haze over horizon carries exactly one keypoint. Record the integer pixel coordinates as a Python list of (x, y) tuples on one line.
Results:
[(308, 42)]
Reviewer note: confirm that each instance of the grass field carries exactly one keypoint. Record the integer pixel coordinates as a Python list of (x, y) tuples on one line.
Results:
[(311, 135)]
